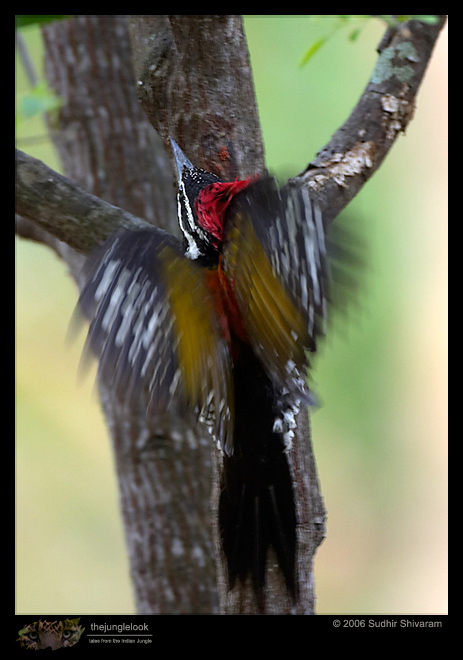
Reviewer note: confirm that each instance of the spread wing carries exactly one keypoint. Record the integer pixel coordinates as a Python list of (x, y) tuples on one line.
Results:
[(157, 335), (274, 258)]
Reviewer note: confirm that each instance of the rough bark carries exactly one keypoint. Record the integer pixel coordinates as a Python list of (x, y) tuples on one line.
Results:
[(83, 221), (194, 82), (108, 146)]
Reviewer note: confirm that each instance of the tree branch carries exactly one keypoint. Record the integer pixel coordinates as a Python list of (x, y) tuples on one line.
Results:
[(65, 210), (357, 149)]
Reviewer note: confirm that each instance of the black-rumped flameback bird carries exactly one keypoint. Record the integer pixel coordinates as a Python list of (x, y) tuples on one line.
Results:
[(214, 334)]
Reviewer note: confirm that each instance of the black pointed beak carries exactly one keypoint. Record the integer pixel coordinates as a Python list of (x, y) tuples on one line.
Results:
[(180, 159)]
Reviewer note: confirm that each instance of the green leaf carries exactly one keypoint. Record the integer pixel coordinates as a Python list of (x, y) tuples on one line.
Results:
[(430, 19), (354, 35), (40, 99), (393, 21), (313, 48), (339, 21), (22, 20)]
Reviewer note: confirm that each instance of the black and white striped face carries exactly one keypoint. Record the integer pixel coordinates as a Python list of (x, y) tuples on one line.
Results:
[(191, 181), (198, 241)]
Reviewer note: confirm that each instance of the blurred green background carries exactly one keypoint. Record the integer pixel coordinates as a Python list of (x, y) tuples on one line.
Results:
[(381, 435)]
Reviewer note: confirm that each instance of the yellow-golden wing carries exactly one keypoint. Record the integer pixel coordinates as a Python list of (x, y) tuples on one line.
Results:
[(156, 333), (274, 258)]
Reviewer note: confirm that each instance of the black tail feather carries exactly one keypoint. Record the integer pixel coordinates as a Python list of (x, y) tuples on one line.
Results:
[(256, 513), (256, 507)]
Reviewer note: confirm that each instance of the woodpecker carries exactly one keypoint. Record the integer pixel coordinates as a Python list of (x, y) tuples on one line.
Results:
[(215, 332)]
